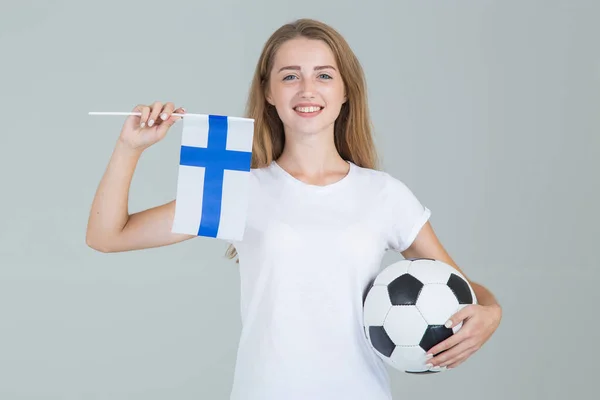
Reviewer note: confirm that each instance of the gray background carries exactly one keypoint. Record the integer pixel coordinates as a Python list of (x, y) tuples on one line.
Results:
[(488, 110)]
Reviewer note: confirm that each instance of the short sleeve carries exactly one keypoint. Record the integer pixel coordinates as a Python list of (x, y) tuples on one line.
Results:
[(405, 215)]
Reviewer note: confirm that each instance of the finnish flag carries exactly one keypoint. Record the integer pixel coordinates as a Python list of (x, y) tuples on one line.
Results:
[(213, 178)]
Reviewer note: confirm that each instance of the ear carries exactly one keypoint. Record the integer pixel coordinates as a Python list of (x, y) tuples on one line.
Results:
[(267, 92), (268, 97)]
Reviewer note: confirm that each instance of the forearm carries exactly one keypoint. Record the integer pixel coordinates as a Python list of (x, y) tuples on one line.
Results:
[(484, 296), (109, 212)]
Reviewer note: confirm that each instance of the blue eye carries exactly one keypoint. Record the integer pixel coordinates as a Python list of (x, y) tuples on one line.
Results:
[(288, 76), (325, 75)]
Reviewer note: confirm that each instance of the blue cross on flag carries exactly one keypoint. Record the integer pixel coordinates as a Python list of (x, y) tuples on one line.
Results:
[(213, 179)]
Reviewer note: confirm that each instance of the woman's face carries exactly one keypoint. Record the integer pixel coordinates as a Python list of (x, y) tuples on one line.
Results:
[(306, 87)]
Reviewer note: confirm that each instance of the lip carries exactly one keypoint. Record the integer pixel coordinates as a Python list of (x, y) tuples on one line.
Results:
[(311, 114)]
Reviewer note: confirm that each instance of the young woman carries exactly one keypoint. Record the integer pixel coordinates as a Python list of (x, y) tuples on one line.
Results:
[(320, 218)]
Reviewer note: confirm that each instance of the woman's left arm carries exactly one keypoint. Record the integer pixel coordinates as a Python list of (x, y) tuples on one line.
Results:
[(479, 320)]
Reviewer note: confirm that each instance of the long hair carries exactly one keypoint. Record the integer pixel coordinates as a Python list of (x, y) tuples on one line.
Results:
[(353, 128)]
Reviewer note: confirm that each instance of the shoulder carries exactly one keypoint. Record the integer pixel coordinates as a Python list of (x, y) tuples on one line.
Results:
[(381, 182), (263, 176), (402, 212), (264, 172), (265, 182)]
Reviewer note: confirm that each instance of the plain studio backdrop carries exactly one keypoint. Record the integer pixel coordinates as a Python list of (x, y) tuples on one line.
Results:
[(488, 110)]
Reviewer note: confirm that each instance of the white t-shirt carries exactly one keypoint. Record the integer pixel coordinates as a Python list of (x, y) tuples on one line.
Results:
[(308, 254)]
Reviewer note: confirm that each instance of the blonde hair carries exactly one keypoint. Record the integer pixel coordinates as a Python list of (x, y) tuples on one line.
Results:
[(353, 129)]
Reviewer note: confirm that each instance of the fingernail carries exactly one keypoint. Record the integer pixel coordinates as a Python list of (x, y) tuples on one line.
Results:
[(151, 122), (448, 324), (163, 116), (143, 124), (429, 356), (428, 366)]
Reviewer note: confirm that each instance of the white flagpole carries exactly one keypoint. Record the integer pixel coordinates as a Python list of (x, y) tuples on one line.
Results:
[(175, 114)]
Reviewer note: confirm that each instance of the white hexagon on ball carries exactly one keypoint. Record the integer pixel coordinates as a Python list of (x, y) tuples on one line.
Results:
[(376, 307), (437, 303), (409, 358), (430, 271), (405, 325)]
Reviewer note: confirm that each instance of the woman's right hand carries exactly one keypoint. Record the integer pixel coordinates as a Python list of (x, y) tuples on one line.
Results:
[(140, 132)]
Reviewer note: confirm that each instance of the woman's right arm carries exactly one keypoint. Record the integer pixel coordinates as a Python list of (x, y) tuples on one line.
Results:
[(110, 226)]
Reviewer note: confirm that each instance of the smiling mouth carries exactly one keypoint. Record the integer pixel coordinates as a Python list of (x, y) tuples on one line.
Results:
[(308, 110)]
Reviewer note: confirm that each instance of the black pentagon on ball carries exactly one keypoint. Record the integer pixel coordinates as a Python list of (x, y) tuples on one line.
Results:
[(405, 290), (381, 341), (433, 335), (461, 289)]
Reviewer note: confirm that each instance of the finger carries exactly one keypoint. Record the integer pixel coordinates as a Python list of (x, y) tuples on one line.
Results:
[(180, 110), (172, 119), (164, 126), (453, 353), (455, 361), (448, 343), (460, 316), (145, 112), (452, 366), (157, 107), (167, 111)]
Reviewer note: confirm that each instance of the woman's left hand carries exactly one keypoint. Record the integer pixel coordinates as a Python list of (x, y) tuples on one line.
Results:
[(479, 323)]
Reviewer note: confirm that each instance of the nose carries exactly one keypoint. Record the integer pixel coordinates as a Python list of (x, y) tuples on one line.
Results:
[(307, 90)]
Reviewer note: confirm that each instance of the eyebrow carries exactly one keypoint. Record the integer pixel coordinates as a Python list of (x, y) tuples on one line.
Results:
[(297, 68)]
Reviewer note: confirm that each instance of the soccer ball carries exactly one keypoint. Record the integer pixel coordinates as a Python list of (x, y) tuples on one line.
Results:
[(405, 309)]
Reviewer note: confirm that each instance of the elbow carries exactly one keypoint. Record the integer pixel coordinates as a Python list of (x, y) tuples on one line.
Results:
[(96, 244)]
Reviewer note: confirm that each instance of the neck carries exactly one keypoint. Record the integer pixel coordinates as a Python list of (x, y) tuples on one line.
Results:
[(311, 154)]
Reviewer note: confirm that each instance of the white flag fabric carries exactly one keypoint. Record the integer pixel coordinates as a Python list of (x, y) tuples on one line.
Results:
[(213, 178)]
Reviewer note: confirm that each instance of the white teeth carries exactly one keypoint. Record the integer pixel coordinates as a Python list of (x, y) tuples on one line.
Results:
[(307, 109)]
